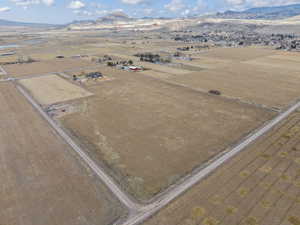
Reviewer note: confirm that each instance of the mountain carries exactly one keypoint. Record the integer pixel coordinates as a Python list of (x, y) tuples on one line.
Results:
[(114, 18), (269, 13), (8, 23)]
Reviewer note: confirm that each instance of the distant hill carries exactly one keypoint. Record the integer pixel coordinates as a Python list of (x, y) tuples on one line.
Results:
[(271, 13), (114, 17), (21, 24)]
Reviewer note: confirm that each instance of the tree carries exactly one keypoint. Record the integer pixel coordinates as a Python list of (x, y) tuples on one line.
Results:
[(130, 62), (110, 64)]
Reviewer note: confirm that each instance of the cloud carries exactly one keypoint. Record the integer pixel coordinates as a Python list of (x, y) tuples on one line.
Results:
[(26, 3), (83, 12), (76, 5), (4, 9), (102, 12), (235, 2), (134, 2), (259, 3), (175, 5), (148, 11), (48, 2)]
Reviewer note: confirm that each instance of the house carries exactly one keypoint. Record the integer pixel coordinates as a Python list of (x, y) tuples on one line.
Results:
[(135, 68), (94, 75)]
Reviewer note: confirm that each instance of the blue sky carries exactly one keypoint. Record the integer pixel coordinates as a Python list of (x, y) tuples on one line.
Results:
[(64, 11)]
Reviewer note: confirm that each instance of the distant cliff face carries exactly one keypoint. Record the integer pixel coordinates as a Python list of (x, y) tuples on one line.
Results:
[(271, 13)]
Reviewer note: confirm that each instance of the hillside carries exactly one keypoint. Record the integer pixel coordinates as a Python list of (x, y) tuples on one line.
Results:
[(271, 13)]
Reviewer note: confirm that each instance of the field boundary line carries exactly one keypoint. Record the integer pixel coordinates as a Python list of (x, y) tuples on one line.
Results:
[(2, 71), (164, 200), (106, 179)]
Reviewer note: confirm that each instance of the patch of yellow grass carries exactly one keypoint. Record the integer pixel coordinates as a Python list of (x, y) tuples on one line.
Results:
[(210, 221), (243, 191), (265, 169), (198, 212), (294, 220)]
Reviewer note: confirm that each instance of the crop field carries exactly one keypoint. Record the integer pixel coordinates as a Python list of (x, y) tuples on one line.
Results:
[(238, 54), (42, 182), (52, 89), (259, 186), (248, 82), (149, 133), (206, 62), (44, 67), (281, 62)]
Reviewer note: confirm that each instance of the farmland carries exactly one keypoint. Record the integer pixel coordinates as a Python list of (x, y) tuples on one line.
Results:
[(42, 182), (45, 67), (114, 137), (160, 135), (258, 186), (246, 79), (52, 89)]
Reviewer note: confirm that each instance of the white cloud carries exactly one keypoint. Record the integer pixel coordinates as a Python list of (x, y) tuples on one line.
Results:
[(235, 2), (186, 12), (48, 2), (76, 5), (134, 2), (102, 12), (83, 12), (148, 11), (4, 9), (259, 3), (26, 3), (175, 5)]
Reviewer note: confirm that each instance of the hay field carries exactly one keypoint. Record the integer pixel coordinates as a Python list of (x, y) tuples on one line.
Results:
[(205, 62), (261, 185), (273, 86), (278, 61), (149, 133), (42, 182), (44, 67), (52, 89), (238, 54)]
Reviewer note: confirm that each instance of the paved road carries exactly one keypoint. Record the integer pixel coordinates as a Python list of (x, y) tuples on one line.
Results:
[(151, 209), (122, 196)]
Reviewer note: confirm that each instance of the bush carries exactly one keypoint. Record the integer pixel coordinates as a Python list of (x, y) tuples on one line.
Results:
[(215, 92)]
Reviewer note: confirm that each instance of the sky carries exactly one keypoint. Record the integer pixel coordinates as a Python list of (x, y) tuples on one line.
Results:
[(65, 11)]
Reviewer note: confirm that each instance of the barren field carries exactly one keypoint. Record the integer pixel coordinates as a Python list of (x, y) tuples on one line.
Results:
[(150, 133), (42, 182), (52, 89), (278, 62), (272, 86), (44, 67), (206, 62), (238, 54), (260, 186)]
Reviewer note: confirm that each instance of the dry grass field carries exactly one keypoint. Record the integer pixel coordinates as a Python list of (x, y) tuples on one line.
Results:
[(44, 67), (52, 89), (274, 85), (42, 182), (278, 62), (260, 186), (150, 133), (238, 54)]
